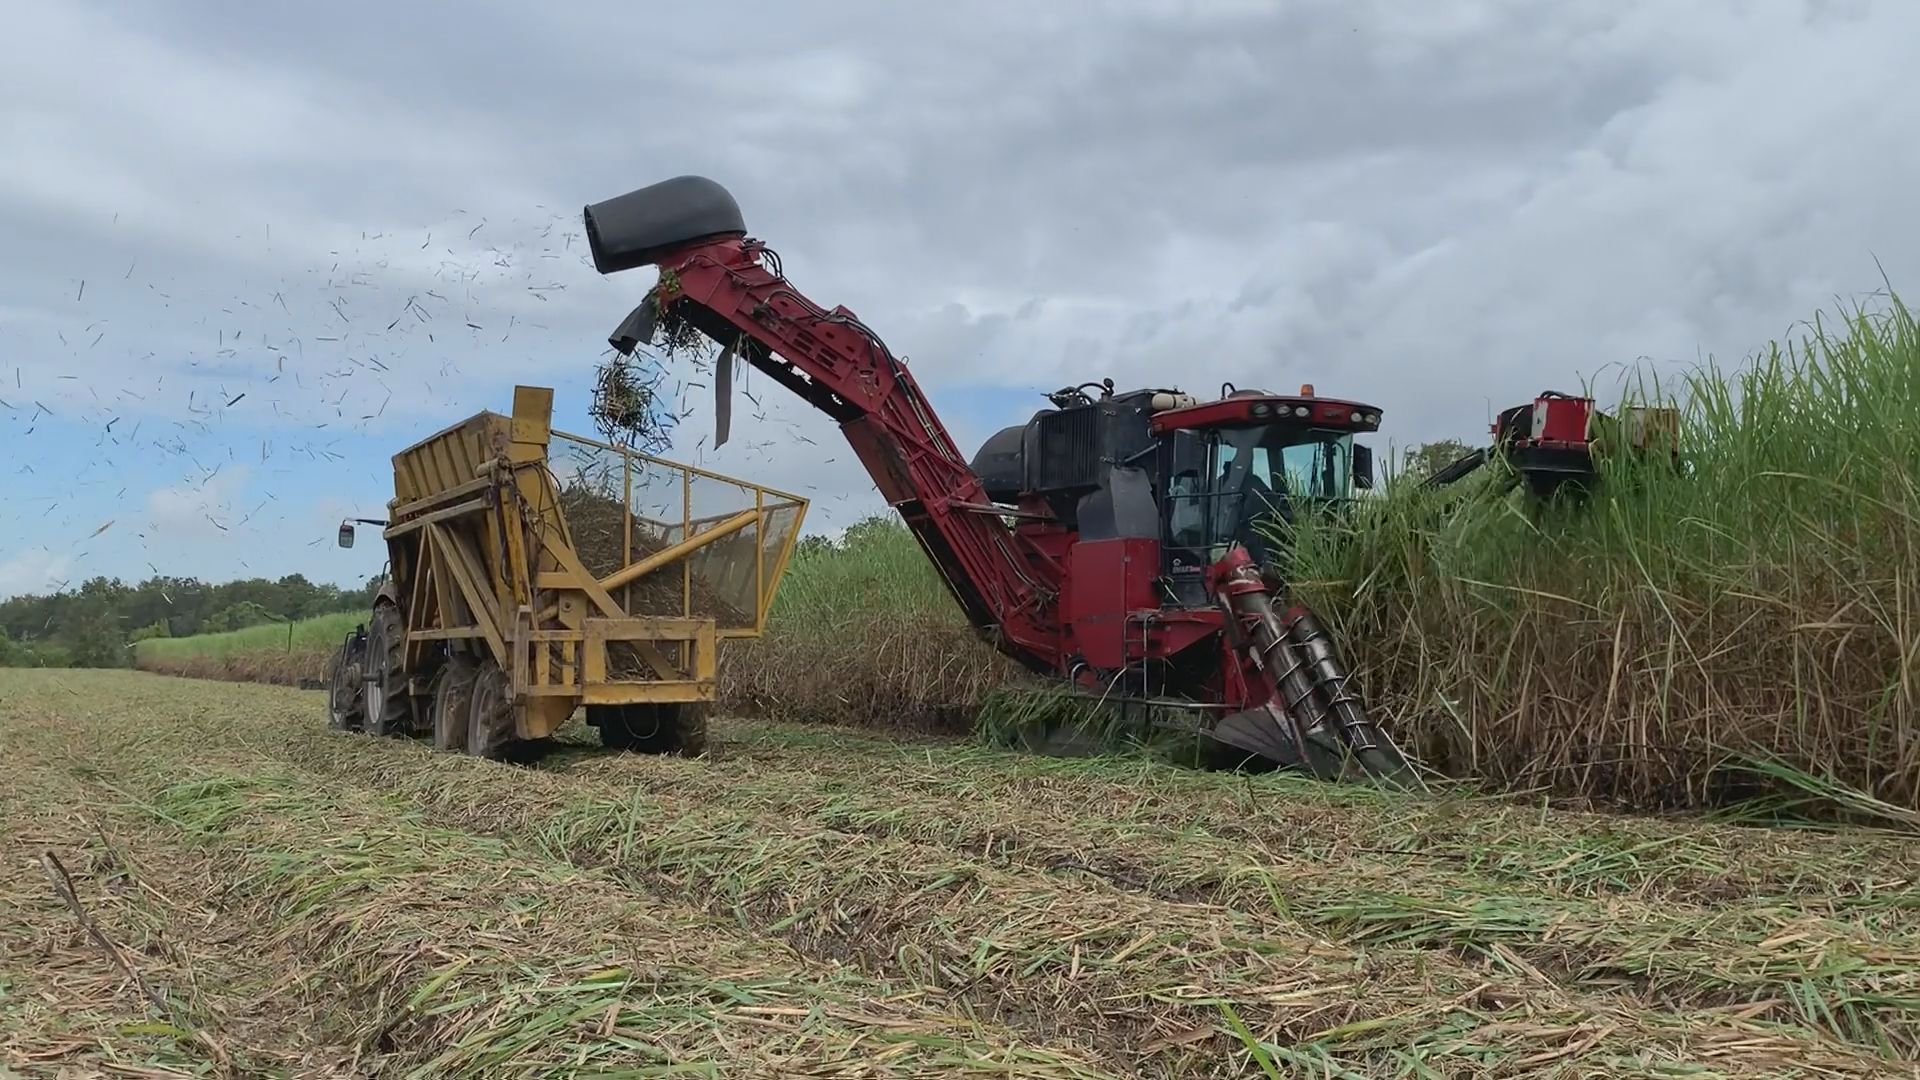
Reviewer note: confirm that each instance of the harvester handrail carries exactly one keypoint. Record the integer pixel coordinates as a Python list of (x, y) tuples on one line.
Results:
[(670, 463)]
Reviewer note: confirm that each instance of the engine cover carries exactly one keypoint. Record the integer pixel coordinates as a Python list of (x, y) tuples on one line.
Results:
[(1067, 452)]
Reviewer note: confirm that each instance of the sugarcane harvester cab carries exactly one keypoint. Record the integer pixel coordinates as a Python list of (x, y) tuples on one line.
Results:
[(1115, 540), (1193, 478)]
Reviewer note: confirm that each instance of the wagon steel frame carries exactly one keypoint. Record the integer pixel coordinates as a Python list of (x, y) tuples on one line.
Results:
[(484, 567)]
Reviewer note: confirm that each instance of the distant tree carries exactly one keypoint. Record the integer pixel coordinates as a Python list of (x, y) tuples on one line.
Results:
[(876, 528), (813, 544), (94, 638), (52, 654), (237, 616), (90, 625), (1421, 461), (33, 654)]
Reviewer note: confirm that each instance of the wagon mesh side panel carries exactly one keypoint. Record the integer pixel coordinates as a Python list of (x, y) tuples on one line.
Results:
[(622, 507)]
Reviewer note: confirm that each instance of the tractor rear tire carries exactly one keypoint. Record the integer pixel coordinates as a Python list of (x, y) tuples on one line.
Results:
[(451, 712), (648, 728), (388, 709)]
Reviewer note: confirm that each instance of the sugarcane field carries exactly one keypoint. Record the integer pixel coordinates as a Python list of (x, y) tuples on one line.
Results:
[(1169, 541)]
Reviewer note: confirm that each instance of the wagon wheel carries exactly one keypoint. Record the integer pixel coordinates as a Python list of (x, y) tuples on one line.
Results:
[(664, 728), (683, 730), (450, 711), (388, 712), (489, 712), (344, 687)]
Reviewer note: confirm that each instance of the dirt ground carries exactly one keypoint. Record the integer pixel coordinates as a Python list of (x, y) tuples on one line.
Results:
[(199, 878)]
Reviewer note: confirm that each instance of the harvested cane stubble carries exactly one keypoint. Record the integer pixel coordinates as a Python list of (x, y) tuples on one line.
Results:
[(1133, 958), (1128, 977), (426, 951)]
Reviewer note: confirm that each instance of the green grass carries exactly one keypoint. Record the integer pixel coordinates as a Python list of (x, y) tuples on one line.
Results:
[(1688, 635), (320, 632), (864, 632), (275, 652)]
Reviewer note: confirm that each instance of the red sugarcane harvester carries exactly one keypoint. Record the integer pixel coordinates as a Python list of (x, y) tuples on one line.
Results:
[(1552, 446), (1116, 540)]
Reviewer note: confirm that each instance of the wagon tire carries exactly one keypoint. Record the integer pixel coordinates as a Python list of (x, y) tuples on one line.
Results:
[(346, 710), (490, 726), (451, 710), (650, 728), (388, 710)]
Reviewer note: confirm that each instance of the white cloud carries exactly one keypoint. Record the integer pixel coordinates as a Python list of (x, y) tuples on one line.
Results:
[(33, 571), (202, 509), (1441, 208)]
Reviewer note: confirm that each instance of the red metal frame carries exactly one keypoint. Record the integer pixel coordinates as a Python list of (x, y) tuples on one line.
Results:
[(1267, 409), (831, 359), (1060, 606), (1553, 422)]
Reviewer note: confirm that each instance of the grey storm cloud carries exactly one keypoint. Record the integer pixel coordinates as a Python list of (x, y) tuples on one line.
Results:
[(1439, 207)]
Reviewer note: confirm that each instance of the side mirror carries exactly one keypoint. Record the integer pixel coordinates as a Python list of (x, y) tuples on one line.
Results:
[(1362, 467), (346, 534)]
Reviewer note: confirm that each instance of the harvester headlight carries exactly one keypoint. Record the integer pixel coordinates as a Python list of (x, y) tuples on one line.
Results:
[(1300, 410), (1373, 418), (1355, 418), (1262, 409)]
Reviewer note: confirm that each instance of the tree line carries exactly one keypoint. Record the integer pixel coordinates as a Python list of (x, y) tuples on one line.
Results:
[(96, 624)]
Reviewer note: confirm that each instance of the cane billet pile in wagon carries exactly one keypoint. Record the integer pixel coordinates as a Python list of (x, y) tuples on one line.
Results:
[(1129, 544)]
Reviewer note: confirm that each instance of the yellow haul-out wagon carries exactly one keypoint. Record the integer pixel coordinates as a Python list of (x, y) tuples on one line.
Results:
[(532, 572)]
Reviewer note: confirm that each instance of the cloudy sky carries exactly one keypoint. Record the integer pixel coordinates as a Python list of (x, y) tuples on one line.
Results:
[(252, 250)]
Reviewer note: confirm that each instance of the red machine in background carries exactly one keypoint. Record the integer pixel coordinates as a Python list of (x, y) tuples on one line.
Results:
[(1115, 540), (1552, 446)]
